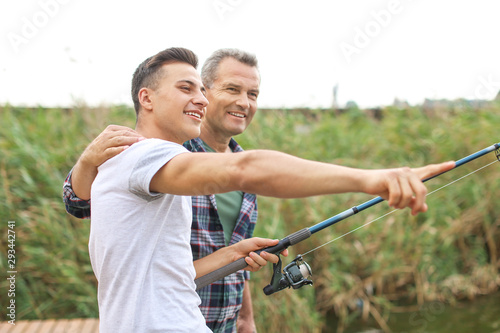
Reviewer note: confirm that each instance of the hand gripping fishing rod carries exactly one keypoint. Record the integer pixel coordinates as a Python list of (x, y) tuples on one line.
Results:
[(297, 271)]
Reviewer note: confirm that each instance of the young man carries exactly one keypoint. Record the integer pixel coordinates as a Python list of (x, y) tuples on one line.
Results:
[(165, 168), (232, 80)]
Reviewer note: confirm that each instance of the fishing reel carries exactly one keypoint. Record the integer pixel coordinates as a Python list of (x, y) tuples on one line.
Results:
[(294, 275), (497, 153)]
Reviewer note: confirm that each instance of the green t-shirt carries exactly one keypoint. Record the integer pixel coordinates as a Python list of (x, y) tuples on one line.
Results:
[(228, 207)]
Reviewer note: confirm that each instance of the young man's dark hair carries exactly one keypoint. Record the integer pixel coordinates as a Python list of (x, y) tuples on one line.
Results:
[(149, 72)]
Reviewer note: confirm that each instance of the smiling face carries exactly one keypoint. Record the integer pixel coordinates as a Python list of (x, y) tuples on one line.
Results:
[(233, 100), (174, 110)]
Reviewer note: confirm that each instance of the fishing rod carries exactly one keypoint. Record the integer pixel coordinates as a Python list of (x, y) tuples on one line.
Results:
[(296, 273)]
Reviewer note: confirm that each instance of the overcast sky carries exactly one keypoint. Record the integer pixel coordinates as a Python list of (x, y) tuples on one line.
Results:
[(57, 52)]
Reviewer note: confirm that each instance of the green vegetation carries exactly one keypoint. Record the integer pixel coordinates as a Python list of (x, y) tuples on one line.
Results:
[(450, 253)]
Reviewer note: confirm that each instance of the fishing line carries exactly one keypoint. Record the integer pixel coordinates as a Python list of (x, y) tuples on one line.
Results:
[(394, 210), (294, 274)]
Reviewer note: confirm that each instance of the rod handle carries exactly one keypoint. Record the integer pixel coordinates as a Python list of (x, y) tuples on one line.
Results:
[(239, 264)]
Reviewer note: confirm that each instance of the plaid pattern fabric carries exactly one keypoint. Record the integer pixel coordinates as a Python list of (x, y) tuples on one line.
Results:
[(75, 206), (220, 301)]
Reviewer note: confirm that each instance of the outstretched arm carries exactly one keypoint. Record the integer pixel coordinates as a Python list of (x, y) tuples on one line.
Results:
[(276, 174)]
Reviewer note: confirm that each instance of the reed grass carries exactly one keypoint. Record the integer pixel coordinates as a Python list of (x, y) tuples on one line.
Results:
[(447, 254)]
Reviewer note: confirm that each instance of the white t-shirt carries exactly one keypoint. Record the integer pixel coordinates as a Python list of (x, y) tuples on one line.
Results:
[(139, 246)]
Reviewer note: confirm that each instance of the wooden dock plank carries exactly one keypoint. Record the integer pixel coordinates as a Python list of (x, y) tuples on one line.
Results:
[(47, 326), (5, 327), (88, 325), (19, 327), (60, 326), (74, 326)]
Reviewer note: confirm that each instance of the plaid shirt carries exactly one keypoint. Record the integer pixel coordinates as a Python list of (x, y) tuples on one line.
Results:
[(220, 301), (74, 205)]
